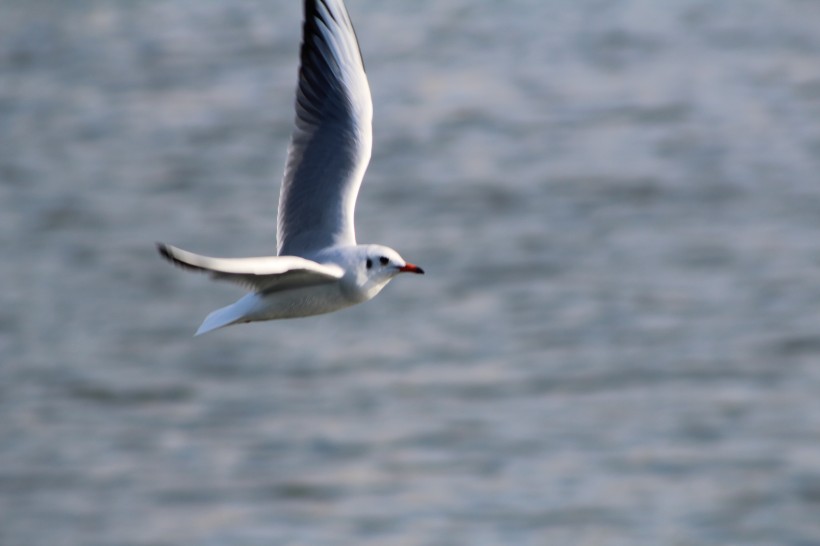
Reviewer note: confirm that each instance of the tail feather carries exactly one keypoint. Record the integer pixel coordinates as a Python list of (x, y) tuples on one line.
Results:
[(218, 319), (236, 312)]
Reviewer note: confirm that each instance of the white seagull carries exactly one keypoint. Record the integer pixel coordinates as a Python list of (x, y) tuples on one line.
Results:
[(318, 268)]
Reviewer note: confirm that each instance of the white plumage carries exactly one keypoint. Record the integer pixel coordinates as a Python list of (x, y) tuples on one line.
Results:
[(319, 267)]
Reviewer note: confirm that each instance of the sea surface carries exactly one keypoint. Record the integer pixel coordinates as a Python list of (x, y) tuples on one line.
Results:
[(617, 342)]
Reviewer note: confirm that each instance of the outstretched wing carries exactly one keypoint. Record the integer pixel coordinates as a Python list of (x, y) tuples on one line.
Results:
[(269, 274), (331, 143)]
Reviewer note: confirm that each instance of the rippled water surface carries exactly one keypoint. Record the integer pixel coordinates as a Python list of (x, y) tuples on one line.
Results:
[(617, 341)]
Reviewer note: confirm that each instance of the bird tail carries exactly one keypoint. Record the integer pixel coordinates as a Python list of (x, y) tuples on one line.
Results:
[(218, 319), (236, 312)]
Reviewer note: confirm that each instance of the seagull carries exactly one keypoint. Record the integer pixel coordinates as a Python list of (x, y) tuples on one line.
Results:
[(318, 267)]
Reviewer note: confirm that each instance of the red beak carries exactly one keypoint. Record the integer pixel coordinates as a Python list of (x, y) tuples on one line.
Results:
[(410, 268)]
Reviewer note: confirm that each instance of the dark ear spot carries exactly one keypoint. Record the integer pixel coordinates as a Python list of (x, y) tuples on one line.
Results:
[(369, 263), (383, 260)]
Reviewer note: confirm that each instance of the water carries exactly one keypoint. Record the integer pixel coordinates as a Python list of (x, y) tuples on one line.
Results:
[(616, 343)]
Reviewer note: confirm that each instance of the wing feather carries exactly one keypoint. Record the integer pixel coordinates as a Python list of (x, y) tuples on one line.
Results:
[(332, 139), (267, 274)]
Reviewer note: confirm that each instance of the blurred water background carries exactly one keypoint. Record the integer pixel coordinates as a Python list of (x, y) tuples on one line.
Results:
[(617, 341)]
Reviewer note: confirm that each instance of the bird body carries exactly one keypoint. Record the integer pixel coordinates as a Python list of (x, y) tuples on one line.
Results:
[(319, 267), (293, 287)]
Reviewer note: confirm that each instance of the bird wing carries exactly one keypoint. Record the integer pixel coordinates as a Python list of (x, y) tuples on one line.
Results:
[(331, 143), (267, 274)]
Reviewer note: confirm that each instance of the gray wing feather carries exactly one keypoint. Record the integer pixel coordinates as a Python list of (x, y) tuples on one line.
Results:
[(331, 143)]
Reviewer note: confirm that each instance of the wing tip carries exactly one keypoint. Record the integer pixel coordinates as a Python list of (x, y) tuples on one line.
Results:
[(320, 61), (164, 251), (167, 252)]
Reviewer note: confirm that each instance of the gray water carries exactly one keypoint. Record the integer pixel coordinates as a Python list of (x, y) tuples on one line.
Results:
[(617, 341)]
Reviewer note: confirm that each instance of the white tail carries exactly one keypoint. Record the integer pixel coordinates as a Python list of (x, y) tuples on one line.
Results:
[(236, 312)]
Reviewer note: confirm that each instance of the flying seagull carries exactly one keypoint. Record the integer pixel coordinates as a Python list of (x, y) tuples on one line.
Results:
[(318, 268)]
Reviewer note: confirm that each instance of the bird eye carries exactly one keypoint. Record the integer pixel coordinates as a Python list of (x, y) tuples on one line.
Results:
[(383, 260), (369, 263)]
